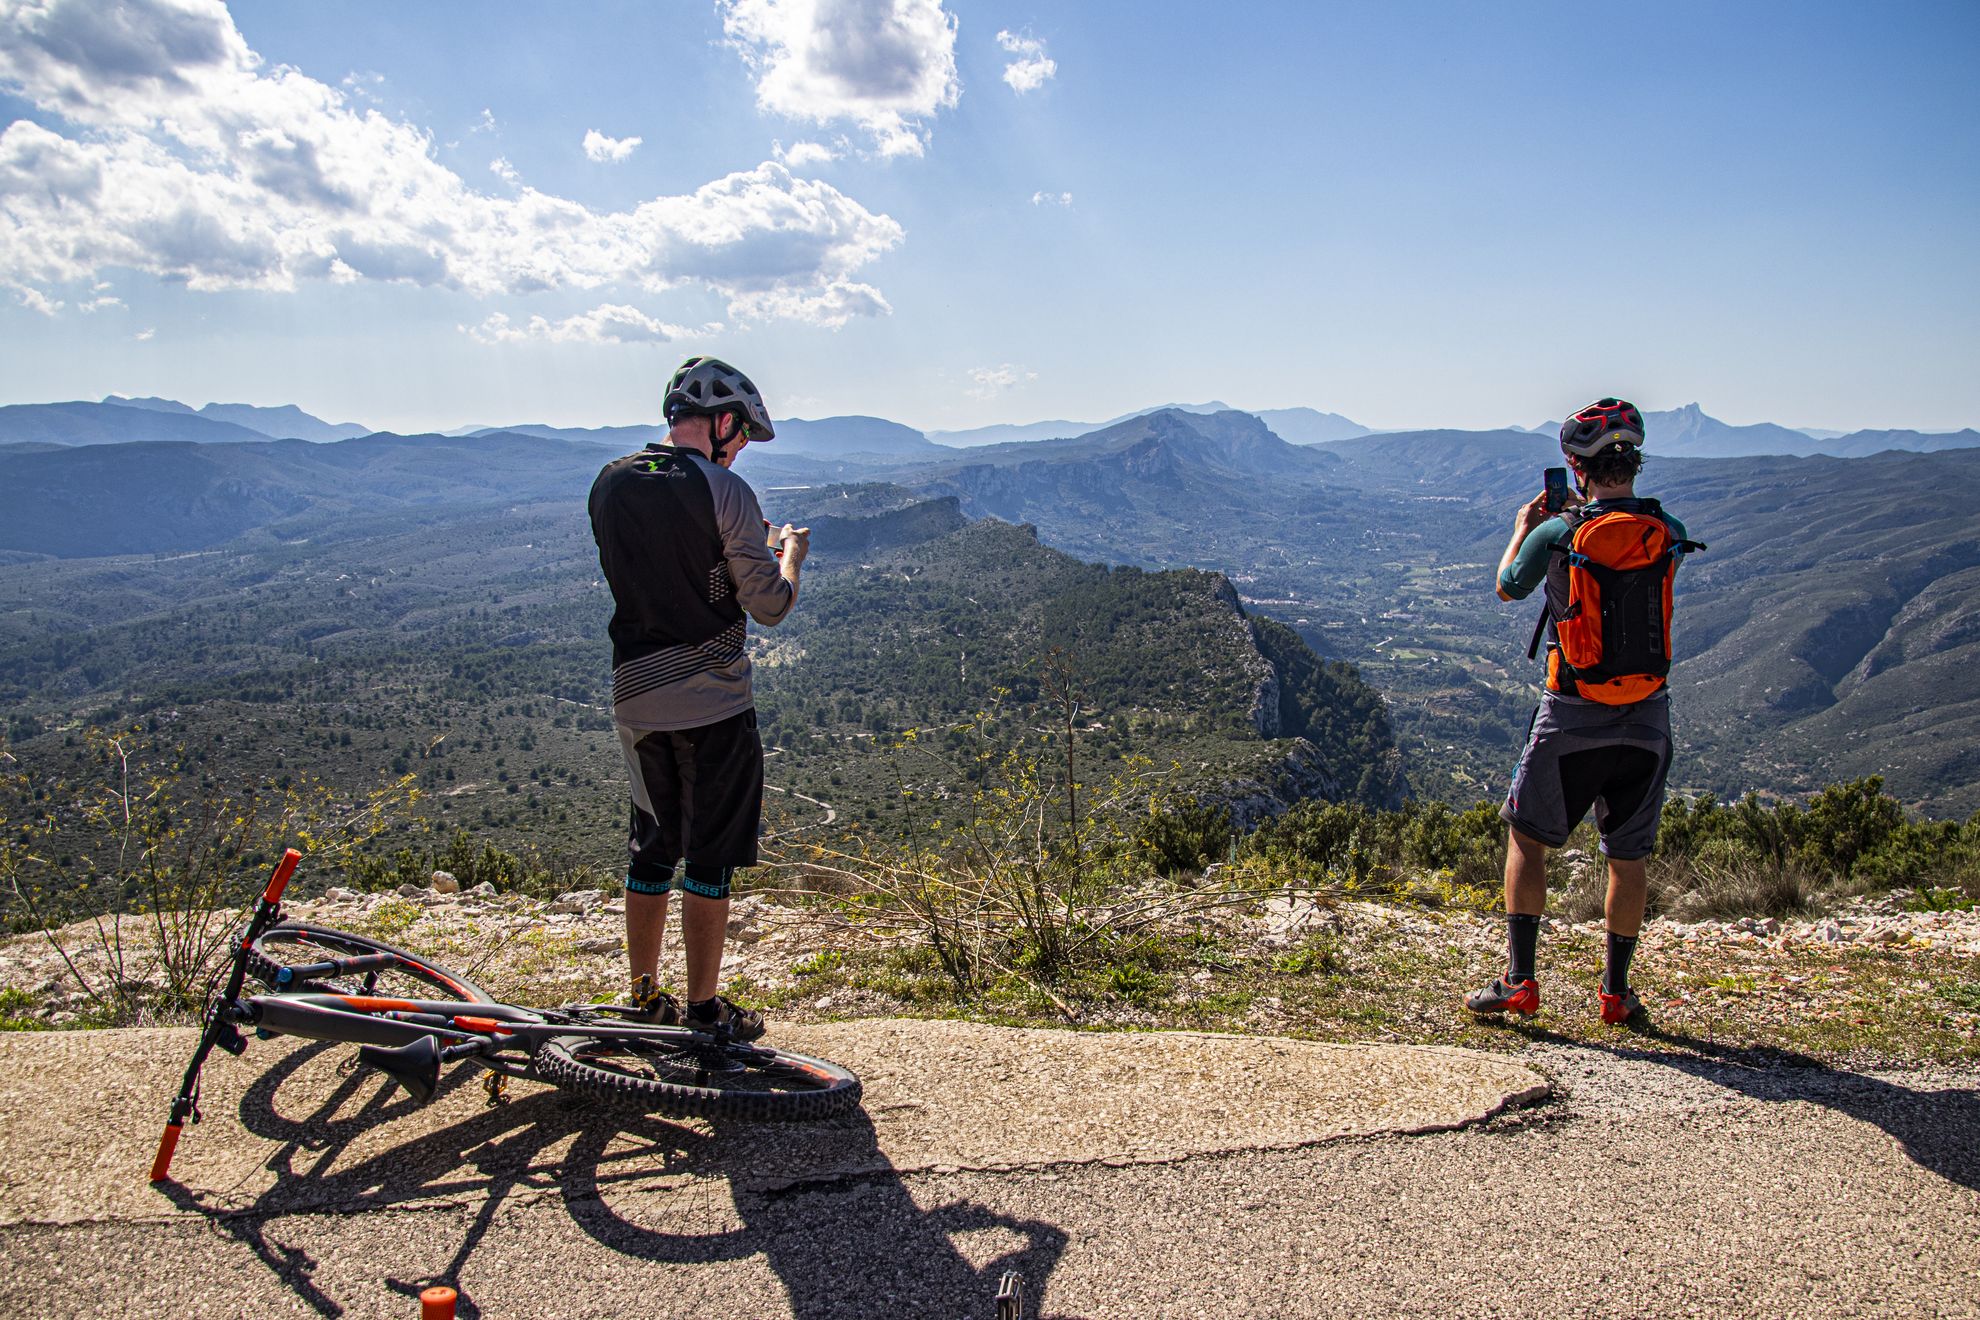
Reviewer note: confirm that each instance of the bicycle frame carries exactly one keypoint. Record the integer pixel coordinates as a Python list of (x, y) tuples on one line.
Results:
[(411, 1040), (474, 1032)]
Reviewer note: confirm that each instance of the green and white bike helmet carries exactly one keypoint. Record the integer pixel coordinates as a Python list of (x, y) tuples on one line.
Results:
[(704, 386)]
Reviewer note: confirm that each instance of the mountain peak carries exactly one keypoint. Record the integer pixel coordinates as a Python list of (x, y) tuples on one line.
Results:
[(149, 404)]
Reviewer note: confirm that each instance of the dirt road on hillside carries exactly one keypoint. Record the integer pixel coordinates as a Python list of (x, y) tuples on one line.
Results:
[(1141, 1176)]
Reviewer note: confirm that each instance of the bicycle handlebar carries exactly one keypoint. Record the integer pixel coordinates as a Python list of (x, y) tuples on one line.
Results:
[(218, 1030), (280, 880)]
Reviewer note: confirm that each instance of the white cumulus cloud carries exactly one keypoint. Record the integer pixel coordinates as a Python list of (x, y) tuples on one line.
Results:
[(1032, 68), (886, 65), (167, 146), (800, 155), (145, 334), (988, 382), (1051, 199), (602, 148), (611, 323), (37, 301)]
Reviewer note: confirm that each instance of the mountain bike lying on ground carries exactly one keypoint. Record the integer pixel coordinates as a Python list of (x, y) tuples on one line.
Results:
[(410, 1018)]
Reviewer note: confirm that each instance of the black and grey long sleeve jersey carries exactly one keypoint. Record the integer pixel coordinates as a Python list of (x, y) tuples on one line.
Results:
[(681, 542)]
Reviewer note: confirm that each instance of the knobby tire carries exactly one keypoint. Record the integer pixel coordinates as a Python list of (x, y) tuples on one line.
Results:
[(762, 1085)]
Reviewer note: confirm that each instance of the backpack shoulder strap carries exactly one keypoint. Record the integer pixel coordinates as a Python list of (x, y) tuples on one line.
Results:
[(1564, 545), (1574, 519)]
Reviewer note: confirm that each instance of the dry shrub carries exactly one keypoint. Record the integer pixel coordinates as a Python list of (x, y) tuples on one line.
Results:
[(1585, 896), (1725, 878), (170, 864)]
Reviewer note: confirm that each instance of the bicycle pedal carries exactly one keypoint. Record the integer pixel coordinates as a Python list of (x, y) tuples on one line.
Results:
[(496, 1086)]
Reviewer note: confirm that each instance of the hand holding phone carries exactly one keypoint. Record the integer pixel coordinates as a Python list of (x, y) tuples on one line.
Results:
[(1556, 489)]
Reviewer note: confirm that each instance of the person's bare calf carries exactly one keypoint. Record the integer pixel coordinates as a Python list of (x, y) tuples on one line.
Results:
[(646, 931), (704, 931), (1526, 873), (1629, 889)]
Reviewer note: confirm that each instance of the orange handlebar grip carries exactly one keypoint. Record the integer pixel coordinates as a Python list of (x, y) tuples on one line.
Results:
[(437, 1304), (280, 880), (166, 1145)]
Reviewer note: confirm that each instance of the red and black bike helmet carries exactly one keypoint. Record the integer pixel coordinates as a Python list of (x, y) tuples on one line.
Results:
[(1602, 423)]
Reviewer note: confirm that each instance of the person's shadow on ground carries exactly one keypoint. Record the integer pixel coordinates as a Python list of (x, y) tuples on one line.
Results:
[(846, 1245), (1938, 1130)]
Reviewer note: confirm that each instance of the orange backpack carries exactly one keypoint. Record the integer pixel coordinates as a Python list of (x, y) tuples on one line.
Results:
[(1609, 600)]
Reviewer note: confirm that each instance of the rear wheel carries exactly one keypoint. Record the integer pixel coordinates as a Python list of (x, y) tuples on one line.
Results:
[(295, 944), (684, 1073)]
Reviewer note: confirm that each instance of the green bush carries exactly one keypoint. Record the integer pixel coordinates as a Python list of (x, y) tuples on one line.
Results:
[(1183, 838), (541, 875), (1319, 840), (1852, 837)]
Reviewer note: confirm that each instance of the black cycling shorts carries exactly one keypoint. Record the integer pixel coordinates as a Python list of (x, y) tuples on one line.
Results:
[(696, 794), (1580, 755)]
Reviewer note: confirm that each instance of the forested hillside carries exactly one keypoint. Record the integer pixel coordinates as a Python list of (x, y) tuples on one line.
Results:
[(463, 644), (1828, 632)]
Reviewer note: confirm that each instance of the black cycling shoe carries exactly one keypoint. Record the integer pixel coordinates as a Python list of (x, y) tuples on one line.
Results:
[(727, 1018), (651, 1004)]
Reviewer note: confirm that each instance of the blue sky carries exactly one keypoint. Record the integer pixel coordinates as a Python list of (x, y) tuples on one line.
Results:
[(958, 213)]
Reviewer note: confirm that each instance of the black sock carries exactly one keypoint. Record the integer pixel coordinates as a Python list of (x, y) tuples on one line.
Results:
[(703, 1007), (1615, 977), (1522, 941)]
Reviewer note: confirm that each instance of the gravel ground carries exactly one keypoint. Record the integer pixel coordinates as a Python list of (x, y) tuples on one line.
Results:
[(1651, 1186)]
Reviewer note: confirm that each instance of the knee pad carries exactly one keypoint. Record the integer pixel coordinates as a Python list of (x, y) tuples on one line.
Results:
[(705, 881)]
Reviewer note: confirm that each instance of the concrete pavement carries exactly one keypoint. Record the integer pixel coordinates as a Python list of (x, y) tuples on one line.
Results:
[(1165, 1174)]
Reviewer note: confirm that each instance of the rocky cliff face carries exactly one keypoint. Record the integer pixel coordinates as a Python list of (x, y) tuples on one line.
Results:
[(1302, 774), (1341, 745)]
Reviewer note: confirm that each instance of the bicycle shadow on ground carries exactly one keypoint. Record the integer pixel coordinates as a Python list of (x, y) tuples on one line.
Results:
[(844, 1247), (832, 1240), (1937, 1130)]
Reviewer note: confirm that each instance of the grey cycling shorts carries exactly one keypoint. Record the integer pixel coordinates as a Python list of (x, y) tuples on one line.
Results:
[(1580, 754)]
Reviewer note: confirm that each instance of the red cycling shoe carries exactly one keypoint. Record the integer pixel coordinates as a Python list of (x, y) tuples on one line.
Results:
[(1618, 1009)]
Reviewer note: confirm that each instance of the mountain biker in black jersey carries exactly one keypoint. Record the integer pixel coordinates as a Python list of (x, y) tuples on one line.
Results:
[(681, 542), (1601, 735)]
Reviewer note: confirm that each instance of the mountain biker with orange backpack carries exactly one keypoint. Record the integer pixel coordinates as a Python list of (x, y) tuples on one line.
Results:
[(1601, 736)]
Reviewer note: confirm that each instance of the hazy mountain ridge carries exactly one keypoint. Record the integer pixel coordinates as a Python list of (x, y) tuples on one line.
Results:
[(162, 496), (1299, 425), (1687, 431), (286, 422), (79, 423), (1690, 432)]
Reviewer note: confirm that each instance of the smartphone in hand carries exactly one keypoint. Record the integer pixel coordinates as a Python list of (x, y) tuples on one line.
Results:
[(1556, 489)]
